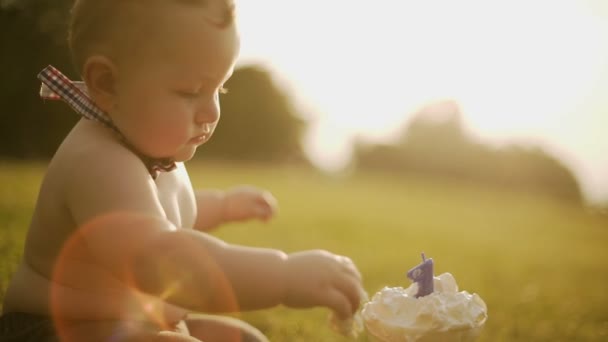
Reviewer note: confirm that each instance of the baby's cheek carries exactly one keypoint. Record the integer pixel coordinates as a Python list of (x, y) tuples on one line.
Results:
[(168, 123), (157, 135), (176, 130)]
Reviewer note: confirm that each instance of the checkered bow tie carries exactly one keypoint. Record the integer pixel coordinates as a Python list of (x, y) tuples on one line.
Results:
[(56, 86)]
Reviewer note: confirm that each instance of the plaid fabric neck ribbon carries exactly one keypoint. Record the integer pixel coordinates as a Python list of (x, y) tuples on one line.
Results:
[(56, 86)]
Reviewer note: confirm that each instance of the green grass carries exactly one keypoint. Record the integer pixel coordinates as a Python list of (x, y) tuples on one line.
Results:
[(540, 265)]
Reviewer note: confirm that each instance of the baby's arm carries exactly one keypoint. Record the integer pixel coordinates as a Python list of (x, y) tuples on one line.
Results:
[(124, 226), (125, 229), (215, 207)]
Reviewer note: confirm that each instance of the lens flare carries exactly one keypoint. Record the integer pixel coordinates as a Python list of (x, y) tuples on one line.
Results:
[(99, 289)]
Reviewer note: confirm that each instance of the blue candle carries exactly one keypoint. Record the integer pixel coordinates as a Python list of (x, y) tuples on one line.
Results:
[(423, 276)]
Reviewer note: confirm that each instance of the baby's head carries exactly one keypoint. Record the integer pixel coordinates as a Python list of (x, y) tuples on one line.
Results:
[(116, 26), (156, 67)]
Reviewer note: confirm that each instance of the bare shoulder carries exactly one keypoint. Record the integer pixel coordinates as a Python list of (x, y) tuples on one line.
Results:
[(100, 175), (90, 142)]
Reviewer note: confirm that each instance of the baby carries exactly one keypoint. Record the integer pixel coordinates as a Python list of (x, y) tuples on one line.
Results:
[(117, 249)]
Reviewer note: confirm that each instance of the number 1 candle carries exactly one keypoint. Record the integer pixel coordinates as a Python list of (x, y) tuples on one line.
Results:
[(422, 275)]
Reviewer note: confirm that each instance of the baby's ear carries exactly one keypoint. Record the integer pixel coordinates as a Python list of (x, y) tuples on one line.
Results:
[(99, 74)]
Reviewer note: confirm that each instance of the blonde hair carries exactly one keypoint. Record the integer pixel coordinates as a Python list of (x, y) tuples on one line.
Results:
[(94, 23)]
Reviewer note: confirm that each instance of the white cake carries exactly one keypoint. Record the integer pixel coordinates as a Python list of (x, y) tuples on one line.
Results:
[(395, 315)]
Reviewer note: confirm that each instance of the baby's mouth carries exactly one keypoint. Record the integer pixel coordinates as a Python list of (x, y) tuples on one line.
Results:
[(199, 139)]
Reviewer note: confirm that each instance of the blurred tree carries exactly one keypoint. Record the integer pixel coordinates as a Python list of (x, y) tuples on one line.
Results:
[(31, 37), (258, 121), (435, 144)]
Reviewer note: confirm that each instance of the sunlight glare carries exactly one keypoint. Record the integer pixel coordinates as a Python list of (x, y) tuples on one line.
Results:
[(520, 69)]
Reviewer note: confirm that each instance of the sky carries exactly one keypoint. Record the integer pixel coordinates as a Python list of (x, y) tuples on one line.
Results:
[(523, 71)]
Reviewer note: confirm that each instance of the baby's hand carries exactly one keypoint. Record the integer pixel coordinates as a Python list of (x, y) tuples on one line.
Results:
[(247, 202), (318, 277)]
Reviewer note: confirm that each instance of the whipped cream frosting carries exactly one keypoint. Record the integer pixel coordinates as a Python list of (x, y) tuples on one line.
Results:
[(397, 310)]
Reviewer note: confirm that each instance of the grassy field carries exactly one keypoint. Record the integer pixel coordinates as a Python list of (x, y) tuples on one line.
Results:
[(540, 265)]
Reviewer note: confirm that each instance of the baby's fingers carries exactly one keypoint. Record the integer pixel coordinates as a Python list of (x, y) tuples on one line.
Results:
[(349, 267), (351, 289), (266, 206), (338, 302)]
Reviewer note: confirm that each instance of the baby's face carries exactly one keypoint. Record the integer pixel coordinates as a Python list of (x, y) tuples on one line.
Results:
[(168, 96)]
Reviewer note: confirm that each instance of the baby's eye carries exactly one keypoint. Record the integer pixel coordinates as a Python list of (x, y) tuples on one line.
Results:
[(187, 94)]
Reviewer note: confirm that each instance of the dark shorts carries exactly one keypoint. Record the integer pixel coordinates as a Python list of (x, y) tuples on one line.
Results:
[(25, 327), (28, 327)]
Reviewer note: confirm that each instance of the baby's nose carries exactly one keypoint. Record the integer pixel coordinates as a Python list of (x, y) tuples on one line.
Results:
[(207, 114)]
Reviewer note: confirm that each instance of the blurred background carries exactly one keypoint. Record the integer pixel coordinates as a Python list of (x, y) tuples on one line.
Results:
[(472, 130)]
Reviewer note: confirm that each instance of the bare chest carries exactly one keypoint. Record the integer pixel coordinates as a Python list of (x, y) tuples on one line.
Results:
[(176, 196)]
